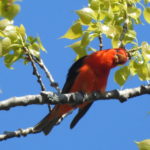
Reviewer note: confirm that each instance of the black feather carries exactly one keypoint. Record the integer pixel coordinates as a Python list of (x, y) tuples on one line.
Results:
[(80, 114), (72, 74)]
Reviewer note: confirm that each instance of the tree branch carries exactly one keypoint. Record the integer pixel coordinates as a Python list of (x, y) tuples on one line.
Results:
[(48, 74), (73, 98), (35, 70), (100, 42), (122, 36), (17, 133)]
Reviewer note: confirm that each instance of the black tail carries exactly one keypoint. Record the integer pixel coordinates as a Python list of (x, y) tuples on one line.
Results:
[(80, 114), (47, 124)]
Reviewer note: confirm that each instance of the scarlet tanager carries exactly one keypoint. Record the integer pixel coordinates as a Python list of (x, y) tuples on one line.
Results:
[(88, 74)]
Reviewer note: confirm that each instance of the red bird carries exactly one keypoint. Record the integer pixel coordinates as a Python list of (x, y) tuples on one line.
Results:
[(88, 74)]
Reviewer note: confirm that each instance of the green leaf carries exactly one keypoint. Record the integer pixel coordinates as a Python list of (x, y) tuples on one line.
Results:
[(10, 12), (122, 75), (4, 23), (129, 37), (40, 44), (109, 30), (86, 15), (85, 39), (74, 32), (1, 50), (144, 145), (134, 12), (92, 49), (146, 1), (142, 70), (78, 49), (31, 39), (146, 14), (146, 51), (133, 70), (115, 42), (35, 46), (95, 4), (11, 58), (22, 31), (6, 42), (34, 52)]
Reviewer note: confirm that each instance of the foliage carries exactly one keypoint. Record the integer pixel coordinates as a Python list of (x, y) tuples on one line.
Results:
[(8, 9), (144, 145), (15, 45), (110, 18)]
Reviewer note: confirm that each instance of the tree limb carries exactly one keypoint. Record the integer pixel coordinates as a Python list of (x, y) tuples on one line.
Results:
[(48, 74), (17, 133), (70, 98), (35, 70), (73, 98), (100, 42)]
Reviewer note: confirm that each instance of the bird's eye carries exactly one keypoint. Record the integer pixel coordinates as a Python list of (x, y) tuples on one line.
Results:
[(117, 50)]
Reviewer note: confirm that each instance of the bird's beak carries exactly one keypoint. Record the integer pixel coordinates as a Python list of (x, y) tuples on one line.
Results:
[(120, 59), (129, 55)]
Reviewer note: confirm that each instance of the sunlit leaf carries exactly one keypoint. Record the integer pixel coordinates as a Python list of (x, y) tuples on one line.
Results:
[(78, 48), (147, 14), (122, 75), (11, 58), (4, 23), (74, 32), (146, 1), (85, 39), (6, 42), (144, 145), (86, 15), (115, 42), (34, 52), (22, 31), (95, 4), (134, 12), (108, 30), (142, 70), (146, 51), (10, 12), (40, 44)]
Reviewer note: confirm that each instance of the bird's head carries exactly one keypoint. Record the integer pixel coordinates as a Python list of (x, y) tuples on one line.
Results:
[(113, 57), (121, 56)]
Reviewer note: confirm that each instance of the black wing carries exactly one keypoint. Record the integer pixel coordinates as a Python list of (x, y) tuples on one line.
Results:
[(72, 74)]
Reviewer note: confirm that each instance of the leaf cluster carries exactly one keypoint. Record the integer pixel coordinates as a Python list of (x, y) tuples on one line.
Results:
[(8, 9), (15, 44)]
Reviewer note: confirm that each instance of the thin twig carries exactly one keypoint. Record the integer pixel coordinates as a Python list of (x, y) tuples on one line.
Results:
[(35, 70), (48, 74), (122, 36), (101, 42)]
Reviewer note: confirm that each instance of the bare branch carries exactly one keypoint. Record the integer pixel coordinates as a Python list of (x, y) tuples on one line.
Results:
[(48, 74), (100, 42), (73, 98), (35, 70), (17, 133)]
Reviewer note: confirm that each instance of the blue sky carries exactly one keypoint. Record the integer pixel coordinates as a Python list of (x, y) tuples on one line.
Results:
[(108, 125)]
